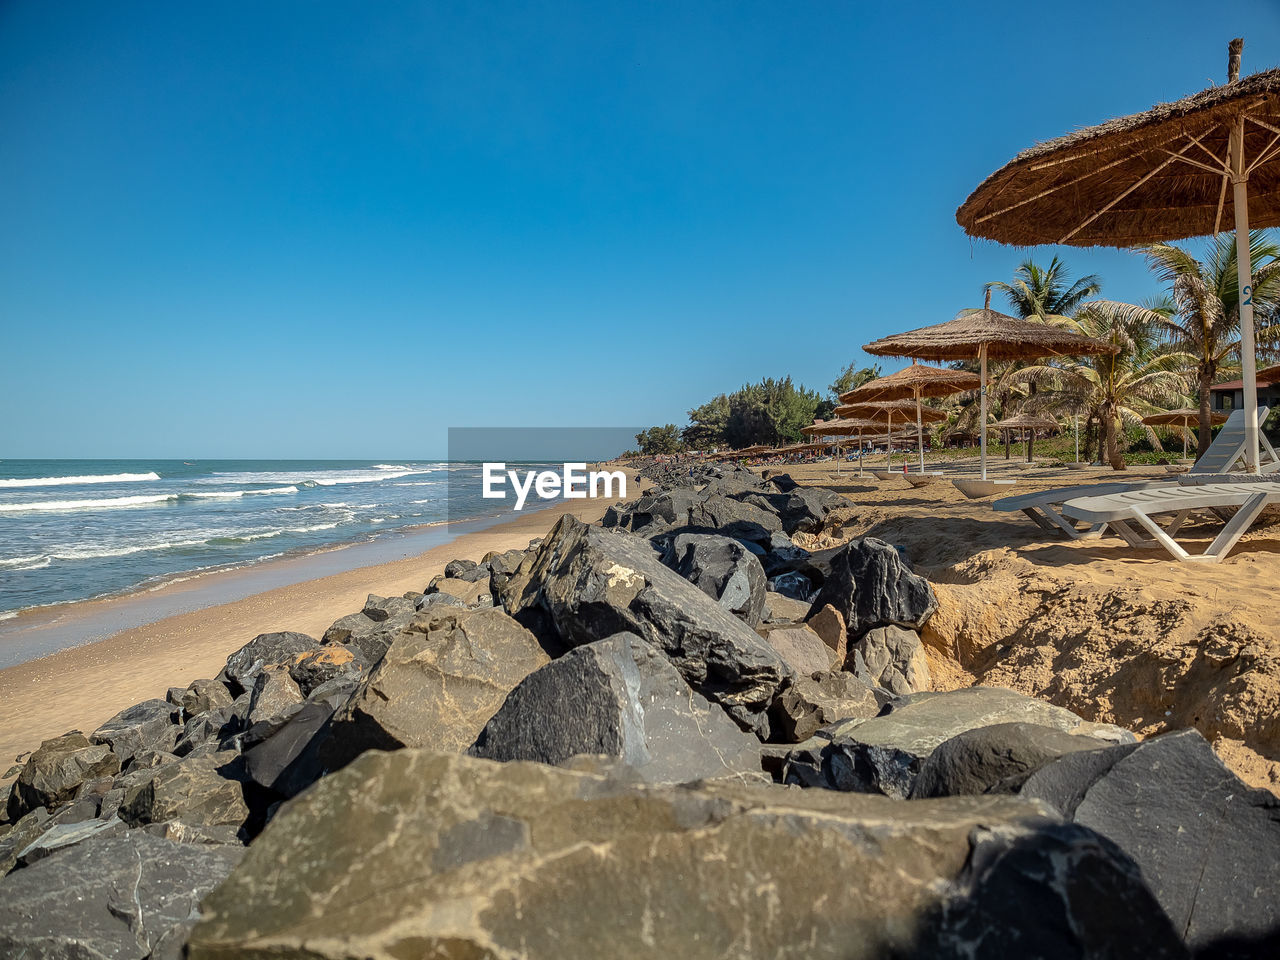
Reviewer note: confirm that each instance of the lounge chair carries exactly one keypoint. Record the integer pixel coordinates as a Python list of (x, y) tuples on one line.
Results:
[(1226, 451), (1120, 510)]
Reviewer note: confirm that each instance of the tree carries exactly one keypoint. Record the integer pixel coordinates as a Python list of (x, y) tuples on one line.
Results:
[(707, 424), (659, 440), (1145, 376), (1046, 292), (850, 379), (1205, 320)]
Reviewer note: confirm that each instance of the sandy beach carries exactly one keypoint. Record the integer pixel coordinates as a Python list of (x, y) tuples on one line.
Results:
[(81, 687)]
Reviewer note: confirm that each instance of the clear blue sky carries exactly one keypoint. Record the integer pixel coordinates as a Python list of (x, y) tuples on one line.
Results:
[(335, 229)]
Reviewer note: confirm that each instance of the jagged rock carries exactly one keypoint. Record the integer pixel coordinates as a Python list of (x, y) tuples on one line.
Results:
[(21, 835), (801, 648), (267, 649), (502, 566), (801, 509), (884, 754), (819, 700), (330, 662), (1208, 845), (180, 832), (446, 599), (54, 772), (592, 583), (734, 518), (275, 695), (622, 698), (894, 659), (998, 758), (723, 569), (290, 759), (203, 696), (529, 860), (144, 726), (468, 592), (197, 789), (121, 897), (370, 637), (785, 609), (380, 609), (456, 568), (174, 695), (871, 587), (829, 625), (653, 512), (63, 836), (437, 686), (794, 585), (210, 726)]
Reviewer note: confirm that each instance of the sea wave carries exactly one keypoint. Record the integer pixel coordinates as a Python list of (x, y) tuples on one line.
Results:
[(34, 562), (76, 481), (231, 494), (319, 478), (106, 504)]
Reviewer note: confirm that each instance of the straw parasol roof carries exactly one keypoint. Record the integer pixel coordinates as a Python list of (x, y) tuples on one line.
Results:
[(914, 381), (1005, 338), (890, 411), (1181, 417), (1027, 421), (1046, 193), (837, 428)]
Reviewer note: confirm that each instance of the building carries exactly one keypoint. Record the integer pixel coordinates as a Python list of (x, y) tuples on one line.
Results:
[(1230, 396)]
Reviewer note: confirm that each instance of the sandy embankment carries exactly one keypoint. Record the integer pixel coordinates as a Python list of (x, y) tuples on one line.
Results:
[(84, 686), (1113, 633)]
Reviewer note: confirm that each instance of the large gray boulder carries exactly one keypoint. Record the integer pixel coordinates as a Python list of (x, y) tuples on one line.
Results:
[(997, 758), (653, 512), (437, 685), (109, 897), (529, 860), (201, 789), (264, 650), (801, 509), (1207, 844), (150, 725), (592, 583), (205, 695), (871, 587), (894, 659), (54, 772), (819, 700), (622, 698), (884, 754), (723, 569)]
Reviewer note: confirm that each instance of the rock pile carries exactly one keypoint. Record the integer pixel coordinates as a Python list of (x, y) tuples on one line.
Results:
[(676, 733)]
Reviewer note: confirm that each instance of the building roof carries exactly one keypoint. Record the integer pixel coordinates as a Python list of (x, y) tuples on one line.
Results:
[(1268, 377)]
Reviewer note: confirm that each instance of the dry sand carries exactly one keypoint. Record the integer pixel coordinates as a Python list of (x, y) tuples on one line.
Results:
[(81, 687), (1111, 632)]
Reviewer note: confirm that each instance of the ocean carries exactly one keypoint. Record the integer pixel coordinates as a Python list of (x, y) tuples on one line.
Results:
[(76, 529)]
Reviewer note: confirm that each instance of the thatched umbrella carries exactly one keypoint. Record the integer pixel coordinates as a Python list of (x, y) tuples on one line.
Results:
[(890, 412), (914, 383), (984, 335), (1028, 424), (1154, 176), (1181, 417), (839, 428)]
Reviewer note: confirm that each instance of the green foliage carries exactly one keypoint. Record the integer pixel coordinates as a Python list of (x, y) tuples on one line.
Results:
[(769, 412), (851, 379), (1046, 291), (657, 440)]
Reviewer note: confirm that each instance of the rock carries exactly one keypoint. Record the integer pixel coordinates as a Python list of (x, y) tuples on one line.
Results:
[(801, 509), (622, 698), (123, 897), (55, 771), (530, 860), (723, 569), (275, 695), (502, 566), (180, 832), (446, 599), (794, 585), (871, 587), (894, 659), (380, 609), (22, 834), (884, 754), (149, 725), (64, 836), (801, 649), (1208, 845), (290, 760), (438, 684), (829, 625), (196, 789), (212, 726), (267, 649), (785, 609), (330, 662), (653, 512), (203, 696), (174, 695), (456, 568), (734, 518), (819, 700), (998, 758), (370, 638), (465, 590), (592, 583)]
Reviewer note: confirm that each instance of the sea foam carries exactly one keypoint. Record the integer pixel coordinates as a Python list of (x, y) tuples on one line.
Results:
[(76, 481)]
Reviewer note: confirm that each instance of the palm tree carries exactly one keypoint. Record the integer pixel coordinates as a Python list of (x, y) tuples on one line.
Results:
[(1206, 300), (1145, 376), (1046, 292)]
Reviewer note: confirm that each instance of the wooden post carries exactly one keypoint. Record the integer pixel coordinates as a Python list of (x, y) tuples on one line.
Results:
[(1240, 198)]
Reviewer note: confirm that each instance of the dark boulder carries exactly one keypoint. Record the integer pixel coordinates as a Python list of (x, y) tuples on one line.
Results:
[(290, 760), (592, 583), (205, 695), (723, 569), (54, 772), (198, 789), (819, 700), (801, 510), (275, 695), (735, 518), (456, 568), (64, 836), (330, 662), (150, 725), (622, 698), (871, 587), (267, 649), (121, 897), (794, 585), (380, 609), (801, 648), (370, 638)]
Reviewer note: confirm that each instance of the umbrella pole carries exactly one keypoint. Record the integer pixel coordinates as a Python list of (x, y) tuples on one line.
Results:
[(982, 407), (888, 442), (859, 451), (1185, 422), (1248, 362), (919, 431), (1076, 420)]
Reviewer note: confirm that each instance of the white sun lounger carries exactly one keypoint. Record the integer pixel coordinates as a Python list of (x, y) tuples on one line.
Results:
[(1226, 451), (1120, 510)]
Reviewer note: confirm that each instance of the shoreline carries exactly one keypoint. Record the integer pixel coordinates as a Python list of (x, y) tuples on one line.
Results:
[(80, 687)]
